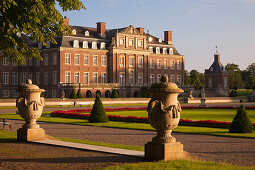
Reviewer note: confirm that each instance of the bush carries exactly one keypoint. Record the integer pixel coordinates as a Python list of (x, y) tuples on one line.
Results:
[(97, 114), (79, 94), (233, 93), (73, 95), (114, 94), (241, 122)]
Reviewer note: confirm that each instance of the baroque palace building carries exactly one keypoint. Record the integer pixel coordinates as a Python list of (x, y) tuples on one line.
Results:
[(97, 60)]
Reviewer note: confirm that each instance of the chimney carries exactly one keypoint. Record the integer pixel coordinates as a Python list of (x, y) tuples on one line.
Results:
[(168, 37), (101, 28), (141, 30), (217, 58), (66, 21)]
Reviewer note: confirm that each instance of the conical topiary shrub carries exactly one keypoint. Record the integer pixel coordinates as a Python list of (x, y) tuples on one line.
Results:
[(73, 95), (114, 94), (241, 122), (97, 114), (79, 94)]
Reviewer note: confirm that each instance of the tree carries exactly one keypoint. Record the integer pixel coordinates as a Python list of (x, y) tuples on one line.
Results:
[(187, 80), (73, 95), (39, 20), (241, 123), (97, 114), (236, 81), (114, 94), (197, 79), (79, 94), (248, 76)]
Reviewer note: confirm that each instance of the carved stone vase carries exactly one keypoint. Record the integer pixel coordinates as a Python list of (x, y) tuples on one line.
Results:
[(164, 115), (30, 107)]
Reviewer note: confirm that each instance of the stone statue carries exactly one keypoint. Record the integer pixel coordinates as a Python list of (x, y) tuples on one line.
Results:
[(202, 104), (62, 94)]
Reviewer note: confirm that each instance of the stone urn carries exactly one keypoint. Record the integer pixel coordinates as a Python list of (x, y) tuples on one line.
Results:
[(164, 115), (30, 107)]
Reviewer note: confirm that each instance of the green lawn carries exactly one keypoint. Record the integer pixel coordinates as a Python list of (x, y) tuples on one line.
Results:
[(128, 125), (195, 114)]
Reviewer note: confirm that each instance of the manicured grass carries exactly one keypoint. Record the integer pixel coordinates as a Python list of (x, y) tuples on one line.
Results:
[(7, 136), (178, 164), (139, 126), (195, 114), (244, 92)]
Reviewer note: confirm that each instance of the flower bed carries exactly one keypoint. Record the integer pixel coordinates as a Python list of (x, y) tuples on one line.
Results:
[(187, 122)]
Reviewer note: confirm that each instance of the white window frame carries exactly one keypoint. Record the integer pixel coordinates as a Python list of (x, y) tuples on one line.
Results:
[(158, 63), (122, 78), (5, 77), (76, 77), (95, 75), (140, 78), (164, 50), (172, 78), (140, 43), (54, 59), (172, 63), (103, 78), (104, 61), (131, 77), (165, 64), (131, 42), (14, 63), (76, 59), (86, 59), (178, 65), (152, 79), (94, 45), (102, 46), (68, 77), (151, 49), (132, 61), (14, 93), (86, 79), (15, 78), (6, 93), (122, 41), (85, 44), (5, 61), (95, 60), (158, 78), (75, 44), (157, 50), (122, 61), (171, 51), (151, 63), (67, 58), (140, 61), (178, 80), (86, 33)]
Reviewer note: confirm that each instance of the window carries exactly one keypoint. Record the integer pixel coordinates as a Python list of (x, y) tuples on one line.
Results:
[(38, 62), (103, 78), (25, 77), (140, 78), (68, 58), (45, 60), (165, 64), (94, 45), (140, 43), (46, 78), (164, 50), (6, 93), (54, 78), (131, 77), (151, 78), (85, 44), (151, 63), (86, 60), (211, 68), (102, 45), (47, 44), (131, 61), (172, 64), (53, 93), (54, 59), (68, 77), (122, 61), (86, 78), (14, 63), (172, 79), (171, 51), (74, 32), (5, 77), (77, 77), (178, 81), (122, 41), (30, 76), (225, 82), (140, 62), (94, 77), (14, 78), (14, 93), (122, 76), (103, 60), (37, 78), (75, 44), (158, 78), (86, 33), (178, 65), (131, 42), (151, 49), (94, 60), (210, 84), (159, 64), (157, 50), (77, 59), (5, 61)]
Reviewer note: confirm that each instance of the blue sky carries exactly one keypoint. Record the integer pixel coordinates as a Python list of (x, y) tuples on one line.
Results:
[(197, 25)]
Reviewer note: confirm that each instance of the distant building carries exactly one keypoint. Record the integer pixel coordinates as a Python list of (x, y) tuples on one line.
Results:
[(216, 79), (97, 60)]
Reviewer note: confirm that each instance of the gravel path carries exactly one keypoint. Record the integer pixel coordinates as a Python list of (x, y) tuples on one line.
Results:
[(238, 151)]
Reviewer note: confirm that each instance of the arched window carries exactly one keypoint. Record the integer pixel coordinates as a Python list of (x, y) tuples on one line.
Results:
[(171, 51), (164, 51), (98, 92), (85, 44), (157, 50), (74, 32), (94, 45), (107, 94), (75, 44), (88, 94), (211, 69), (86, 33), (102, 45)]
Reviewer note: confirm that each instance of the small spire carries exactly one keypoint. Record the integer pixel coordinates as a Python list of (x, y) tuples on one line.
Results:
[(216, 52)]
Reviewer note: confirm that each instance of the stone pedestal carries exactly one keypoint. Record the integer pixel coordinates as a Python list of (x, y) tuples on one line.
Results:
[(24, 135), (202, 103), (164, 151)]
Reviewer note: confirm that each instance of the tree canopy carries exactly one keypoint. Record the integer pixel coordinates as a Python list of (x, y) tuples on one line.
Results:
[(197, 79), (39, 20), (235, 75)]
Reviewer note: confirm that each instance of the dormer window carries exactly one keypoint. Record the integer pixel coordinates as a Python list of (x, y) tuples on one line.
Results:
[(157, 50), (164, 51), (47, 44), (151, 49), (85, 44), (86, 33), (75, 44), (74, 32), (39, 45), (94, 45), (160, 40), (211, 69), (171, 51), (102, 45)]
